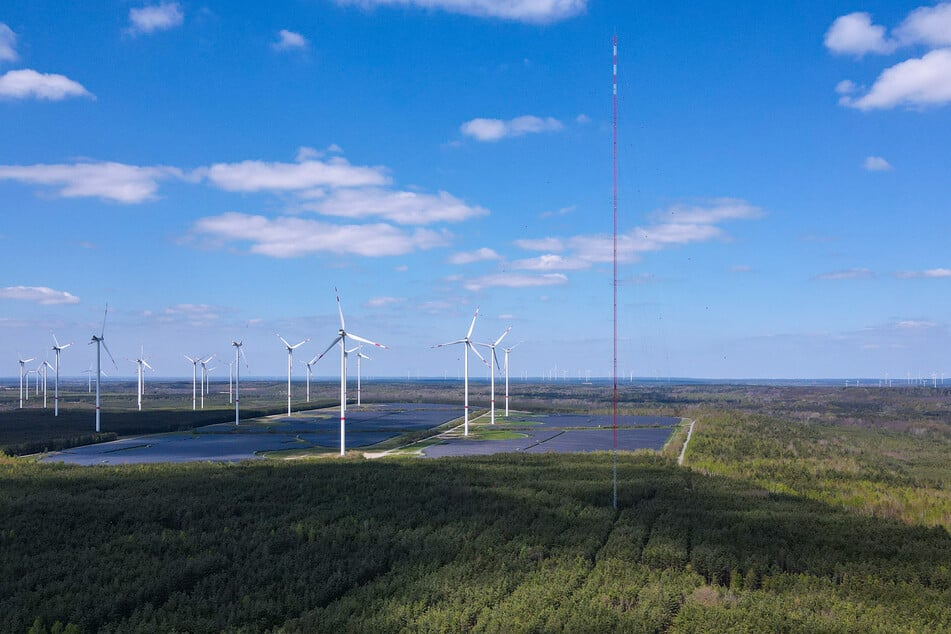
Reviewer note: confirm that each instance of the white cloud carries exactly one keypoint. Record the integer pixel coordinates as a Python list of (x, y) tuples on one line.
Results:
[(290, 41), (402, 207), (916, 83), (39, 294), (540, 244), (718, 210), (856, 35), (8, 44), (582, 119), (27, 84), (531, 11), (194, 314), (846, 87), (550, 262), (160, 17), (479, 255), (305, 153), (848, 274), (927, 25), (516, 280), (380, 302), (496, 129), (914, 324), (253, 176), (287, 237), (929, 274), (111, 181), (876, 164)]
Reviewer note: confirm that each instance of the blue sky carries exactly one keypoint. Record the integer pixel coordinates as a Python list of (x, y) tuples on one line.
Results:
[(213, 170)]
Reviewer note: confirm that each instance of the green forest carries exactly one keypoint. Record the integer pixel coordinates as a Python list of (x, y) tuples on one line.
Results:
[(794, 512)]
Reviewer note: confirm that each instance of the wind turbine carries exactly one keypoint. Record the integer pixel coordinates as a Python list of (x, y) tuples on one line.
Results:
[(237, 379), (23, 362), (360, 355), (100, 342), (194, 363), (507, 351), (204, 378), (467, 344), (341, 337), (310, 368), (141, 361), (495, 360), (290, 367), (57, 349), (46, 366)]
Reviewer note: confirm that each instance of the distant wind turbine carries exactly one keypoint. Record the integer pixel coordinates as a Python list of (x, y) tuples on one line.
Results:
[(341, 338), (194, 363), (360, 356), (45, 366), (310, 369), (237, 379), (493, 365), (467, 345), (140, 362), (23, 363), (204, 378), (507, 351), (100, 342), (290, 366), (57, 349)]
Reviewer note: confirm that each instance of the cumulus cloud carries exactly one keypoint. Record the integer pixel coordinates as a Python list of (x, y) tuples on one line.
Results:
[(479, 255), (915, 324), (160, 17), (39, 294), (531, 11), (193, 314), (401, 207), (915, 83), (928, 274), (288, 237), (847, 274), (290, 41), (381, 302), (497, 129), (110, 181), (516, 280), (855, 34), (927, 25), (29, 84), (846, 87), (674, 226), (877, 164), (8, 44), (253, 176)]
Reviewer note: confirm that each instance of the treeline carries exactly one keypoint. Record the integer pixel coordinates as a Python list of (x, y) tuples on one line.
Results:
[(508, 543)]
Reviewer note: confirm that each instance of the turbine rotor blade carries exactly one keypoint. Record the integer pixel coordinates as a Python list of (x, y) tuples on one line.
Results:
[(321, 355), (102, 333), (450, 343), (473, 348), (472, 325), (146, 364), (339, 309), (366, 341), (499, 340), (109, 353), (298, 345)]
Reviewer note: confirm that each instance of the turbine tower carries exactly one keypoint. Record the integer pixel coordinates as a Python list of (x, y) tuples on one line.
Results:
[(57, 349), (495, 360), (46, 366), (100, 342), (204, 378), (237, 379), (360, 355), (507, 351), (341, 338), (467, 345), (23, 362), (310, 369), (194, 363), (140, 362), (290, 367)]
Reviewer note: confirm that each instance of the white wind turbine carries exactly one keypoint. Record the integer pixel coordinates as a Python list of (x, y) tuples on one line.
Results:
[(507, 351), (341, 337), (310, 369), (100, 342), (140, 362), (467, 345), (194, 363), (237, 379), (45, 366), (57, 349), (290, 367), (23, 363), (204, 378), (495, 360), (360, 356)]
